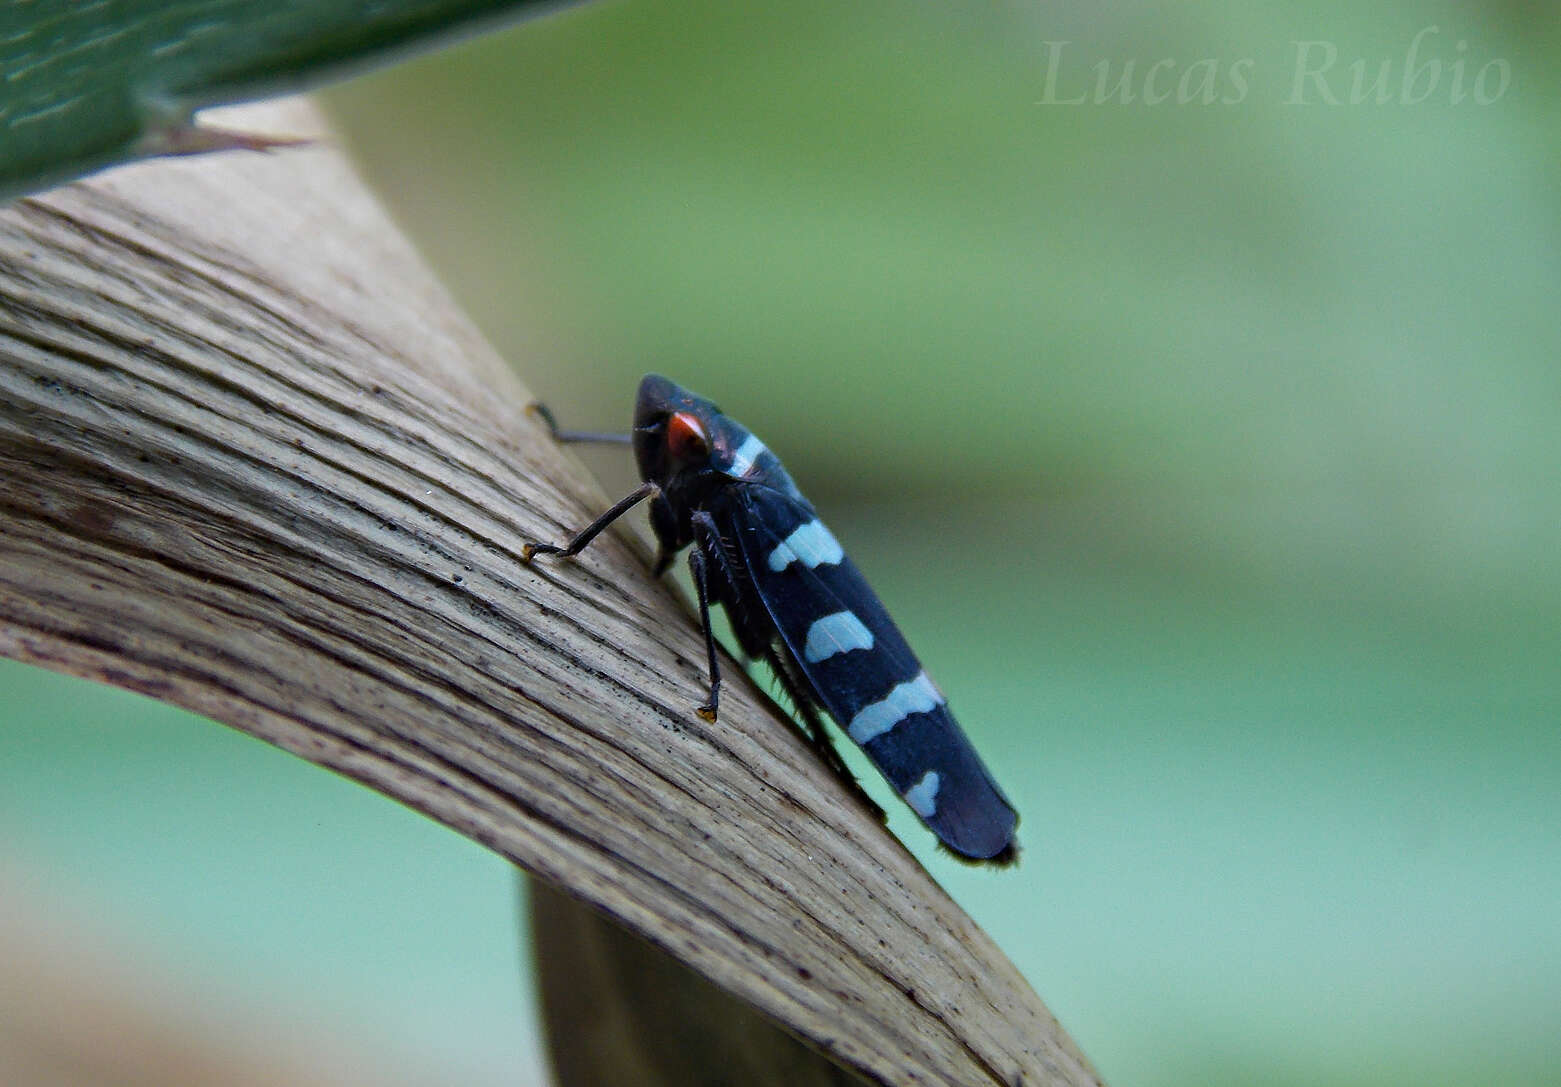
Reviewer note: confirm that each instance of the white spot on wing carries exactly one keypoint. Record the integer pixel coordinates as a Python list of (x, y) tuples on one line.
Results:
[(810, 544), (746, 456), (923, 796), (837, 633), (913, 696)]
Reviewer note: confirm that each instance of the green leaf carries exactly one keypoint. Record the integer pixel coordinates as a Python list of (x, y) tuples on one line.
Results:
[(88, 85)]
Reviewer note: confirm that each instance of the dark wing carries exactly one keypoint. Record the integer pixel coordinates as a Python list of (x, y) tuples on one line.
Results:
[(861, 671)]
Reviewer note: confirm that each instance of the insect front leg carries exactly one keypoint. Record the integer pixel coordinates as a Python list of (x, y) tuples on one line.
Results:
[(711, 567), (696, 566), (591, 531), (664, 524)]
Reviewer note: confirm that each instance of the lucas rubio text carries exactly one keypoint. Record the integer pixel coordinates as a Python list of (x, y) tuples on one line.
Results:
[(1431, 68)]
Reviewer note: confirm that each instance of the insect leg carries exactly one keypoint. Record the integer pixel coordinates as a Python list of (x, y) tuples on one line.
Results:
[(664, 524), (713, 581), (696, 566), (813, 727), (590, 531)]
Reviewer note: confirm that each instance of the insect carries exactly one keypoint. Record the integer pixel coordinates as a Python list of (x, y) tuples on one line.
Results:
[(798, 603)]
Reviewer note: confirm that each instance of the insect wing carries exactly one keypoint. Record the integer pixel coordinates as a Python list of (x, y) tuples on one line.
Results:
[(861, 671)]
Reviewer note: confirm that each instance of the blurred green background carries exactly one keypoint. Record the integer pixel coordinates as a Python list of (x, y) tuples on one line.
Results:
[(1208, 454)]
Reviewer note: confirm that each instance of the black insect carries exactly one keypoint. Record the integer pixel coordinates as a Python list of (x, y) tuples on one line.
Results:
[(798, 603)]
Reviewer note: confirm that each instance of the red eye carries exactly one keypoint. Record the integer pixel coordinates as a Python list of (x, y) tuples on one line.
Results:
[(686, 438)]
